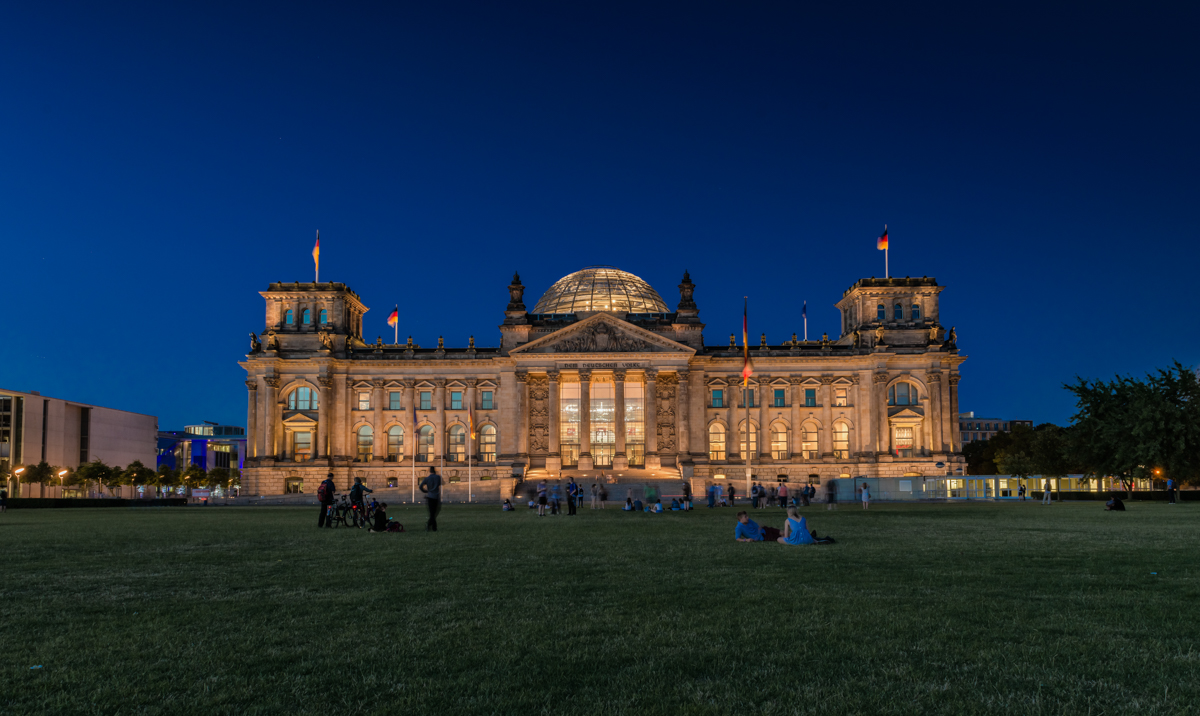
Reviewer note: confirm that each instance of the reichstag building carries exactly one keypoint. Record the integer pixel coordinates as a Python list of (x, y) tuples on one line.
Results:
[(602, 380)]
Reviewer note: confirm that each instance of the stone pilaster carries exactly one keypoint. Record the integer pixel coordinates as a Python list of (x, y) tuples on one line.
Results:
[(379, 444), (651, 425), (795, 447), (955, 436), (934, 415), (585, 420), (620, 460), (554, 458), (252, 417), (522, 425), (733, 393), (409, 398), (682, 432), (883, 446), (764, 428), (326, 398), (697, 400), (826, 416), (473, 407), (439, 424), (346, 448), (273, 416)]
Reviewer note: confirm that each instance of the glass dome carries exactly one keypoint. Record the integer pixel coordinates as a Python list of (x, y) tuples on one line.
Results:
[(601, 288)]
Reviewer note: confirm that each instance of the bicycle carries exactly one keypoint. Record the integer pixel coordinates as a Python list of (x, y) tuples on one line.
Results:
[(337, 515)]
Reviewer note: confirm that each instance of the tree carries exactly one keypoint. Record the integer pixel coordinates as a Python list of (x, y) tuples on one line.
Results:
[(218, 477), (40, 474), (168, 476), (1128, 427), (139, 475), (194, 476), (97, 472)]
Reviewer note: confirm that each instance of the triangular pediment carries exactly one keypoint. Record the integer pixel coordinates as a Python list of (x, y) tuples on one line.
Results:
[(603, 333)]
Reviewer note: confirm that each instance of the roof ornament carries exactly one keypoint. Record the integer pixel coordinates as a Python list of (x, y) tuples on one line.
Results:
[(687, 305)]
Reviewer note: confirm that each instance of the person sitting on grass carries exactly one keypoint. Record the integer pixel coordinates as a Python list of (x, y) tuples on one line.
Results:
[(381, 518), (657, 506), (637, 505), (1114, 504), (747, 530), (507, 506), (795, 530), (628, 504), (674, 505)]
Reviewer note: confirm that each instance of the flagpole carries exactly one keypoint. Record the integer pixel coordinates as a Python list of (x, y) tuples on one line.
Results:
[(317, 260), (746, 386), (886, 271), (805, 321)]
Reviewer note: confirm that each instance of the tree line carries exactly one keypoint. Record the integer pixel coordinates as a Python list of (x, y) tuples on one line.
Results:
[(1126, 428), (110, 477)]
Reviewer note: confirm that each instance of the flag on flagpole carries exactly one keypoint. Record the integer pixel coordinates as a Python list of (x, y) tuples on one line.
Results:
[(471, 420), (747, 371), (804, 315), (317, 251), (394, 317), (882, 242)]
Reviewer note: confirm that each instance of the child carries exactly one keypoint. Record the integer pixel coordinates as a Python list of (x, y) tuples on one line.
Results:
[(507, 506)]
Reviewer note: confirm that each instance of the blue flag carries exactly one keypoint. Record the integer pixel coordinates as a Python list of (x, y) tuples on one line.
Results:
[(804, 310)]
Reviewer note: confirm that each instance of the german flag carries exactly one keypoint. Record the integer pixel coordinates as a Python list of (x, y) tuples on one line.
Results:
[(317, 252), (881, 242), (394, 316), (747, 370)]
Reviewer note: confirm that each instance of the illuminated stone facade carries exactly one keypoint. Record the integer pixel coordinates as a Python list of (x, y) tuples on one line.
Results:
[(620, 392)]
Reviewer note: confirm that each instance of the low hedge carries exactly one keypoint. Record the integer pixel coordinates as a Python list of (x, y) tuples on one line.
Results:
[(40, 502)]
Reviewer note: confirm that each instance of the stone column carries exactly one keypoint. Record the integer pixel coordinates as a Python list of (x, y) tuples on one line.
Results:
[(934, 415), (856, 427), (733, 444), (764, 430), (620, 460), (322, 447), (506, 394), (651, 416), (409, 397), (955, 437), (379, 444), (522, 415), (864, 413), (252, 417), (272, 415), (555, 410), (473, 411), (795, 448), (345, 448), (439, 424), (585, 420), (697, 402), (683, 450), (826, 416), (884, 438)]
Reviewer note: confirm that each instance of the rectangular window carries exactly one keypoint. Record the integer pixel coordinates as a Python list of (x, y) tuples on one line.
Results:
[(426, 400), (364, 401), (487, 400), (810, 397), (780, 398), (85, 424), (569, 423), (748, 398), (456, 400), (839, 398), (602, 420), (394, 400), (904, 442), (302, 446), (635, 424), (841, 441), (718, 398)]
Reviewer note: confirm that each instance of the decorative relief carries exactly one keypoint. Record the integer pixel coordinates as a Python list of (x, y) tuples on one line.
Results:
[(933, 377), (472, 382), (522, 375), (378, 382), (252, 384), (954, 379), (619, 375), (665, 394), (827, 380), (600, 338), (553, 375), (539, 414), (325, 381), (651, 374), (272, 380), (881, 378), (585, 375)]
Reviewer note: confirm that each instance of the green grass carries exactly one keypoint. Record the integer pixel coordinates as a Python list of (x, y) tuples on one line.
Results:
[(943, 609)]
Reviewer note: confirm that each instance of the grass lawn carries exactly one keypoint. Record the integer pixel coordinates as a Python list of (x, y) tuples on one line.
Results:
[(949, 609)]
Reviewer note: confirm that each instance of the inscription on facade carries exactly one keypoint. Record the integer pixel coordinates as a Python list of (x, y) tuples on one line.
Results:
[(599, 366)]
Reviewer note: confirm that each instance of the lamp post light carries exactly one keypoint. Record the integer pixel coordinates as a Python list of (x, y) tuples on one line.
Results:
[(18, 472), (61, 481)]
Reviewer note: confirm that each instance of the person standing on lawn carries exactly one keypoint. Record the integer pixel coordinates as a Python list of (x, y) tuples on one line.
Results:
[(1170, 491), (866, 496), (325, 494), (1021, 491), (541, 498), (732, 494), (831, 495), (572, 495), (783, 495), (432, 487), (596, 496), (687, 495), (1046, 492)]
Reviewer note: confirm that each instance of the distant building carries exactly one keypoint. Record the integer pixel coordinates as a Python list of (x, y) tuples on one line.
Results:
[(973, 428), (66, 434), (209, 446)]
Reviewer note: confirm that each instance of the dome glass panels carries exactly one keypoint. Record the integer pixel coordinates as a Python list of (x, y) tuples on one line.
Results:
[(601, 288)]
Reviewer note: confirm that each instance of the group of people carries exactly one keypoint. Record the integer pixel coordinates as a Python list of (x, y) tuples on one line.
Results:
[(550, 497), (762, 497), (430, 486), (795, 530)]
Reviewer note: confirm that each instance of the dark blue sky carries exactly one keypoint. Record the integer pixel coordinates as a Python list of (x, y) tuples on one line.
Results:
[(160, 164)]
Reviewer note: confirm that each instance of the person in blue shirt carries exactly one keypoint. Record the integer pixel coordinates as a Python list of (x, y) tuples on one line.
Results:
[(572, 496), (795, 530), (747, 530)]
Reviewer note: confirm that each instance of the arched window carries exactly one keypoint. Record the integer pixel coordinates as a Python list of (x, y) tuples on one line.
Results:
[(324, 317), (306, 317), (779, 442), (916, 313), (302, 399), (841, 441), (395, 443), (366, 440), (425, 443), (882, 312), (898, 313), (903, 394), (809, 449), (458, 444), (288, 317), (487, 443), (716, 442)]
